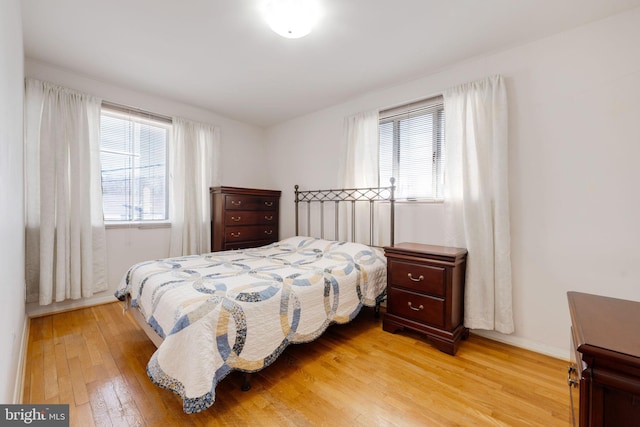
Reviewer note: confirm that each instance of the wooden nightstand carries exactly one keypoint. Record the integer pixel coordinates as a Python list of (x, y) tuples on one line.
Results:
[(425, 292)]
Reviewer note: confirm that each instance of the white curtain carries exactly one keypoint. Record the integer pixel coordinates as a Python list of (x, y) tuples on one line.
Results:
[(360, 170), (194, 158), (477, 198), (361, 160), (65, 235)]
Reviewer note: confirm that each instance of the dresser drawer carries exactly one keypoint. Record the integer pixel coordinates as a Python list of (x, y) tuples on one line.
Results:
[(254, 203), (247, 244), (418, 277), (417, 307), (235, 218), (250, 232)]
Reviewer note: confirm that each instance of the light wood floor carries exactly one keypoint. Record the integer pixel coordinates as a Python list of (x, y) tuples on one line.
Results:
[(94, 359)]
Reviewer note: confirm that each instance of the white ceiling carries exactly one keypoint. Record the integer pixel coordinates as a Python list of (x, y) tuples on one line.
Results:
[(221, 55)]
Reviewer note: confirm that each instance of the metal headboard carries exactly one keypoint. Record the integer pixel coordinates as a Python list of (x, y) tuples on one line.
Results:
[(352, 196)]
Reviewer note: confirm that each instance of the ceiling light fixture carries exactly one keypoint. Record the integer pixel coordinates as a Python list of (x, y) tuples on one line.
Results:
[(291, 18)]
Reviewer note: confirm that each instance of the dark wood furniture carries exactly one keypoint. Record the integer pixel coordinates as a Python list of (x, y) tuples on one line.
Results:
[(605, 336), (243, 217), (425, 292)]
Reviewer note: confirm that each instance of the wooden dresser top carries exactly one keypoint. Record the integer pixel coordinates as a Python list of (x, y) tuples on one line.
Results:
[(425, 250), (604, 324), (245, 191)]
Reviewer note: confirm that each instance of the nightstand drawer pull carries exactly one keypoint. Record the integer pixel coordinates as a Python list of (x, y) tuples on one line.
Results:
[(414, 279), (268, 217), (420, 307), (571, 380), (236, 202), (268, 232), (235, 234), (236, 218), (268, 204)]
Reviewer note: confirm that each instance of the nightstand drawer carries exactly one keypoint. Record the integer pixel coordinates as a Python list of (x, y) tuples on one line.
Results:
[(418, 277), (416, 307)]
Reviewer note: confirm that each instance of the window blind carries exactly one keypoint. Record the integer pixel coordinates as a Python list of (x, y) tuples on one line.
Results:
[(411, 149), (134, 149)]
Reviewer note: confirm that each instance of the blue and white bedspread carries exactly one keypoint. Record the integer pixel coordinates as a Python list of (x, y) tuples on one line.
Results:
[(238, 310)]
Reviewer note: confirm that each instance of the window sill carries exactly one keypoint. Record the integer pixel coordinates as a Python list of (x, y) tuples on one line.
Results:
[(420, 201), (138, 225)]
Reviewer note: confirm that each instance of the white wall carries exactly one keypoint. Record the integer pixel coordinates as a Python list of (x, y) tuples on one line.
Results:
[(12, 285), (242, 149), (574, 149)]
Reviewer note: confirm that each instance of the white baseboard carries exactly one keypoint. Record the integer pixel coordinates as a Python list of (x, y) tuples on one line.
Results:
[(22, 363), (35, 310), (558, 353)]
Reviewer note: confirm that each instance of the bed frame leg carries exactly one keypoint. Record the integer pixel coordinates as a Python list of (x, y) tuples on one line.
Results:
[(376, 309), (246, 381)]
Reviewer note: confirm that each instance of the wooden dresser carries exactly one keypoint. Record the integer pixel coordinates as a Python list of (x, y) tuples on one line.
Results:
[(425, 292), (604, 378), (243, 217)]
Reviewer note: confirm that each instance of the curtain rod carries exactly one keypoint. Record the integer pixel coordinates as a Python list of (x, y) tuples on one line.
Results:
[(126, 109), (423, 104)]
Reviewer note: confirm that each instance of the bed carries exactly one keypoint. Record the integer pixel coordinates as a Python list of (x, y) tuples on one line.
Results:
[(214, 313)]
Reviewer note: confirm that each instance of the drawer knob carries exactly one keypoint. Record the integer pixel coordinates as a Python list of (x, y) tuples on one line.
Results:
[(235, 234), (420, 307), (236, 202), (236, 218), (268, 217), (268, 232), (414, 279), (268, 204)]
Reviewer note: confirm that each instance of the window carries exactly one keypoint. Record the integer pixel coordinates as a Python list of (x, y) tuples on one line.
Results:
[(411, 149), (133, 153)]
